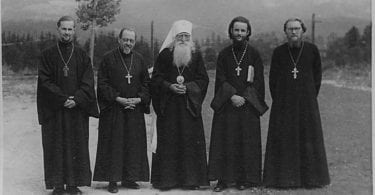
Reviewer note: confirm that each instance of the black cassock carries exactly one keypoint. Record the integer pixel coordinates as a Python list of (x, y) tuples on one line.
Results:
[(65, 132), (235, 148), (295, 154), (180, 158), (122, 145)]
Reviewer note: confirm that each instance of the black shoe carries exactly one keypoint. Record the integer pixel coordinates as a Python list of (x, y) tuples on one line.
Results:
[(220, 186), (240, 186), (112, 187), (58, 191), (129, 184), (193, 187), (73, 190)]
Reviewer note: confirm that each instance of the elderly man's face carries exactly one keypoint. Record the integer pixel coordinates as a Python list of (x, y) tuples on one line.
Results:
[(294, 31), (182, 38), (66, 31), (127, 41)]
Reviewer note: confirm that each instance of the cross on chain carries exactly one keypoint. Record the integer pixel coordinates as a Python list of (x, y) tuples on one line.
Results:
[(295, 71), (238, 69), (128, 76), (65, 69)]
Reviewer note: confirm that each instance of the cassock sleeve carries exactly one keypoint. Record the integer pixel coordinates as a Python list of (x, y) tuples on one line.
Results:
[(273, 74), (50, 97), (201, 77), (160, 72), (85, 96), (159, 86), (47, 82), (254, 93), (223, 90), (144, 93), (106, 93), (317, 70), (259, 76), (196, 90)]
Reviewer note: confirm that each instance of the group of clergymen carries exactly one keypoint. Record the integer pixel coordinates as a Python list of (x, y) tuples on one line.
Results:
[(295, 154)]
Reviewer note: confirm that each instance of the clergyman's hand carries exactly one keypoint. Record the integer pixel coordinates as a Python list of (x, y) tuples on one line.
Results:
[(134, 101), (69, 103), (177, 88), (237, 100), (123, 101), (128, 103)]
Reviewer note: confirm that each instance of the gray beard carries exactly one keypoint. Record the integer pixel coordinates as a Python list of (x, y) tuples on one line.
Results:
[(181, 54), (295, 44)]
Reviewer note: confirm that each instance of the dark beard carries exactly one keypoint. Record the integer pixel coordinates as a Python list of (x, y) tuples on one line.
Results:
[(237, 45), (62, 40)]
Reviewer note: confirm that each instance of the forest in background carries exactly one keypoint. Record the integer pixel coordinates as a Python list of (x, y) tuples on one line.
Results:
[(21, 51)]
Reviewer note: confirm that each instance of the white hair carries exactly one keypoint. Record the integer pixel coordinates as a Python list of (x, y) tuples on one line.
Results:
[(182, 53)]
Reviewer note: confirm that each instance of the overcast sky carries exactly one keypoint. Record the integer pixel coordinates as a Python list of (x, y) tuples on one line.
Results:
[(50, 9), (209, 15)]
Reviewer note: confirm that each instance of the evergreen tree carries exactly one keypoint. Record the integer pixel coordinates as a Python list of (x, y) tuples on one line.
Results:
[(197, 45), (156, 48), (218, 40), (366, 43), (352, 37)]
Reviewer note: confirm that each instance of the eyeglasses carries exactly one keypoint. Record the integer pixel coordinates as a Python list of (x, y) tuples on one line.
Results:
[(294, 29), (124, 40), (183, 36)]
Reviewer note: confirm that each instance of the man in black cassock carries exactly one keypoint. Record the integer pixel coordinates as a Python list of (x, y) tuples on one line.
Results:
[(235, 147), (123, 96), (65, 100), (295, 154), (179, 86)]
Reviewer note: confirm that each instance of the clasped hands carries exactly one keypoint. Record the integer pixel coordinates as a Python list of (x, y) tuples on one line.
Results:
[(237, 101), (70, 103), (128, 103), (178, 88)]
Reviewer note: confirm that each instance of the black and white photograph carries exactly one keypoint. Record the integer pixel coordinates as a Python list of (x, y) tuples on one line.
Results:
[(153, 97)]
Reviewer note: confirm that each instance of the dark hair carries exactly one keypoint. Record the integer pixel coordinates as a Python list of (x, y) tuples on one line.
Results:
[(65, 18), (239, 19), (295, 19), (127, 29)]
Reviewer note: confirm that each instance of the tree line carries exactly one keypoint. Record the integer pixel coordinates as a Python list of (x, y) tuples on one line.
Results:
[(22, 51)]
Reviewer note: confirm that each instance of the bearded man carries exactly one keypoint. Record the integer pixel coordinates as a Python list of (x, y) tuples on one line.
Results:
[(295, 154), (179, 84), (235, 150), (123, 97)]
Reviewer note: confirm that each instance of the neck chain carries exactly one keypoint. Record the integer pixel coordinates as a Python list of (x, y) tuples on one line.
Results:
[(238, 69), (128, 76), (295, 71), (65, 68), (180, 72), (180, 79)]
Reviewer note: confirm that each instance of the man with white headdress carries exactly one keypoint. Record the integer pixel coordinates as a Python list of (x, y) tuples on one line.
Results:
[(179, 86)]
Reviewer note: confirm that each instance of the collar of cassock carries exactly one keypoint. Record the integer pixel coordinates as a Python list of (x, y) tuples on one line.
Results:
[(295, 45), (65, 44)]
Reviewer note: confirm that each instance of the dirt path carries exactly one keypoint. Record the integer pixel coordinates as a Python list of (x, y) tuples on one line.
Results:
[(346, 117)]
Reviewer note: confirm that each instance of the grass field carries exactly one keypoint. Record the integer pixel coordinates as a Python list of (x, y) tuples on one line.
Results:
[(346, 119)]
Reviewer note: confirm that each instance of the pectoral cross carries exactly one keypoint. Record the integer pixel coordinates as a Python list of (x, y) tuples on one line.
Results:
[(238, 69), (128, 76), (66, 69), (295, 71)]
